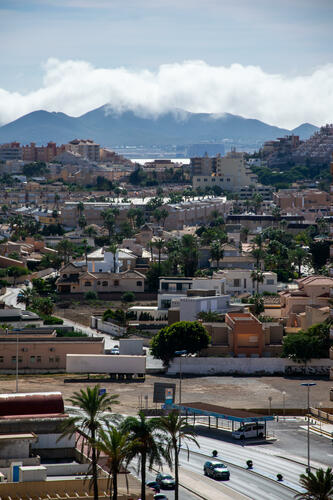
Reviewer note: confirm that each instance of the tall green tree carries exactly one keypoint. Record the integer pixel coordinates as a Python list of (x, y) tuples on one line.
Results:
[(117, 446), (65, 249), (257, 277), (183, 335), (189, 254), (176, 430), (91, 407), (318, 485), (147, 444), (109, 221), (159, 245), (216, 252), (25, 296)]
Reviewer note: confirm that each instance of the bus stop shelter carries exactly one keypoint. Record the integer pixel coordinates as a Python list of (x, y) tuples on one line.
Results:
[(220, 412)]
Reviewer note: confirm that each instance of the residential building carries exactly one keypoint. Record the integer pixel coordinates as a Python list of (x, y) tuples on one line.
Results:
[(242, 335), (174, 287), (306, 199), (312, 291), (239, 281), (229, 172), (86, 148), (11, 151), (187, 308), (75, 278), (32, 153)]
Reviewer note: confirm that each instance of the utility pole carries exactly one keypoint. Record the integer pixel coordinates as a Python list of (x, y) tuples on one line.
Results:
[(308, 385)]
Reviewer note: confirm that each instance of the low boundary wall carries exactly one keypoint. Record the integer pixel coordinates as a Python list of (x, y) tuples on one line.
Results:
[(249, 366)]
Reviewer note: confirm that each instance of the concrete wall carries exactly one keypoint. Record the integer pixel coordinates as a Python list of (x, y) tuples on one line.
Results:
[(247, 366), (106, 327), (50, 441)]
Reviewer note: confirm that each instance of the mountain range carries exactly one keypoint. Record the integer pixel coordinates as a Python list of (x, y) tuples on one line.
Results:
[(113, 129)]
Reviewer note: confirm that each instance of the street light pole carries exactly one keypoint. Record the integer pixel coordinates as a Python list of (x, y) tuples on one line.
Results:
[(308, 385), (284, 404), (17, 350)]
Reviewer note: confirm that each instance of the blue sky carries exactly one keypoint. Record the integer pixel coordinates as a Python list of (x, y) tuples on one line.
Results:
[(289, 38)]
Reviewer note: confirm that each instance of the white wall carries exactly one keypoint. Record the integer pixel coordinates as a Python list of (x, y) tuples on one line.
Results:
[(210, 366), (51, 441)]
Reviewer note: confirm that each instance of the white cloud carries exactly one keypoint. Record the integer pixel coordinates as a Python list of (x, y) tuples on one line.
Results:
[(75, 87)]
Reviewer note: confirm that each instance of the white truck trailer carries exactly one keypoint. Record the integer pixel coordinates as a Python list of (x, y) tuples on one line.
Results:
[(118, 367)]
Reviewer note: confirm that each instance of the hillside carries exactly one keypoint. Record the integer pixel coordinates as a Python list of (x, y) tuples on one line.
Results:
[(111, 129)]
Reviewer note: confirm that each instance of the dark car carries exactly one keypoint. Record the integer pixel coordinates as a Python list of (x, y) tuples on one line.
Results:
[(165, 481), (160, 496), (154, 486), (216, 470)]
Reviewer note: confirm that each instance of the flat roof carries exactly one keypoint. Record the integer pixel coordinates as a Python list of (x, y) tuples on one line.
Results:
[(222, 412)]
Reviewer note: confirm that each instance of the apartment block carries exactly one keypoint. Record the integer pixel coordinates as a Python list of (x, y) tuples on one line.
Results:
[(11, 151), (86, 148), (229, 172), (307, 199)]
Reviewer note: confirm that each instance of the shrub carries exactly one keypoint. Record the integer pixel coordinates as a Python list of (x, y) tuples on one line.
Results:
[(128, 297), (90, 295), (52, 320)]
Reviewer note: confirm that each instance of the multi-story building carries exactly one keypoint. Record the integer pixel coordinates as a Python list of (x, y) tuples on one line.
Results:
[(11, 151), (238, 281), (313, 291), (86, 148), (229, 172), (46, 153), (289, 199)]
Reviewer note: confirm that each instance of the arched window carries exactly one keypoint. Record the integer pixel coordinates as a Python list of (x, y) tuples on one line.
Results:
[(87, 283), (105, 283)]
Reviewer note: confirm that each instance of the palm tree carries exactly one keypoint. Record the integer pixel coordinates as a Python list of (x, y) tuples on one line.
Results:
[(189, 254), (65, 249), (25, 296), (257, 276), (176, 431), (91, 406), (117, 446), (299, 257), (148, 444), (109, 220), (318, 485), (216, 252), (113, 248), (80, 208), (159, 244)]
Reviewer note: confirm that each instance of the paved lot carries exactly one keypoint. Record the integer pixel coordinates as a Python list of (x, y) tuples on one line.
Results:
[(236, 392)]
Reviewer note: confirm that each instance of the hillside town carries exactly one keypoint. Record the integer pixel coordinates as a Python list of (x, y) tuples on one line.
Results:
[(145, 273)]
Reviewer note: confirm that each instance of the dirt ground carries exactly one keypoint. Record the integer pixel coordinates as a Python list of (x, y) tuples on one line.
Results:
[(233, 392), (80, 312)]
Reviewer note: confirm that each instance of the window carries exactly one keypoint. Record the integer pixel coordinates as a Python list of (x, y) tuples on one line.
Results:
[(20, 359), (237, 283), (105, 283), (116, 282), (52, 349), (228, 180), (87, 283), (139, 283), (39, 359), (100, 270), (32, 359), (13, 359), (57, 359), (1, 359), (179, 286), (64, 275), (270, 282), (98, 282), (51, 360), (164, 285)]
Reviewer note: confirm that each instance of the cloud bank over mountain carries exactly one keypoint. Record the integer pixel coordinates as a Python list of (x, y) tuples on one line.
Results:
[(74, 87)]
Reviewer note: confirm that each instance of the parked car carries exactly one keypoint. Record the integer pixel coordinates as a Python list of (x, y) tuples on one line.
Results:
[(216, 470), (114, 350), (165, 481), (154, 486), (160, 496), (249, 430)]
